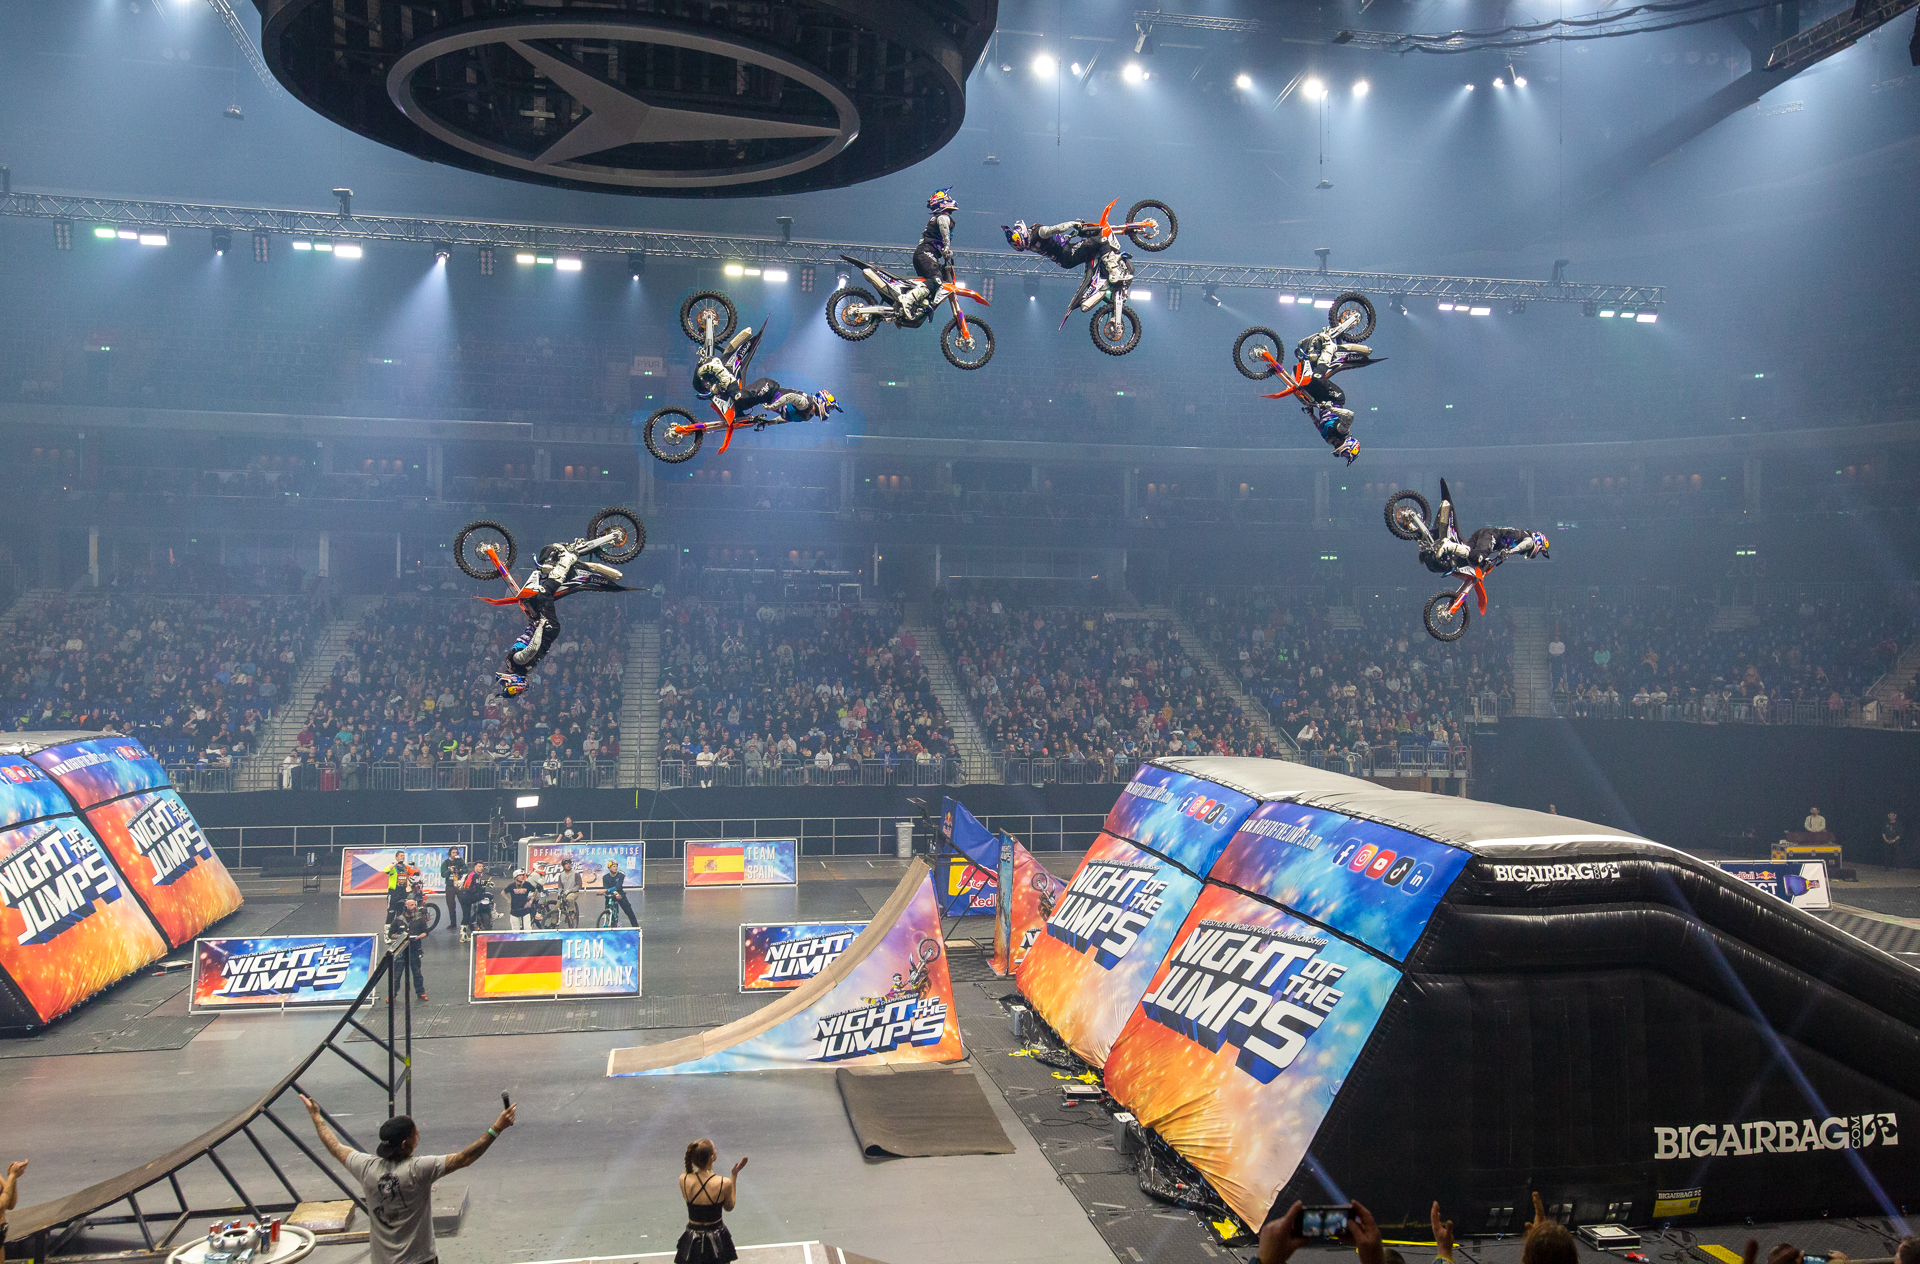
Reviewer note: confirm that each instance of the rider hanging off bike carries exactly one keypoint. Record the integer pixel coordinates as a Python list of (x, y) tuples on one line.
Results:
[(1319, 357), (714, 380), (933, 257), (1072, 244), (560, 574), (1441, 548)]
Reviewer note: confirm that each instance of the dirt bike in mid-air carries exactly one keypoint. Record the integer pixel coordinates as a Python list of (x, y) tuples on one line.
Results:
[(1320, 356), (855, 313), (674, 434), (1105, 290), (486, 550), (1443, 552)]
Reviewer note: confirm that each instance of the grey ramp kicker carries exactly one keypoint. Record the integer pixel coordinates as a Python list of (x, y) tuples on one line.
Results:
[(920, 1114)]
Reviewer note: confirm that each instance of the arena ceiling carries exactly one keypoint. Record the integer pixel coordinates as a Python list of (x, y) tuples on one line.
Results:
[(665, 98)]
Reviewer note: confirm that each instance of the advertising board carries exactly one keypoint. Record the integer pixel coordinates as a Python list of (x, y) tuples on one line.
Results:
[(742, 862), (279, 972)]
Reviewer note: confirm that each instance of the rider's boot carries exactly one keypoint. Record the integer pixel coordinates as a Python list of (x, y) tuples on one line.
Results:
[(913, 299), (602, 570)]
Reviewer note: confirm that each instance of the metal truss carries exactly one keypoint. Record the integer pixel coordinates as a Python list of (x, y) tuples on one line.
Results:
[(1844, 29), (777, 252), (239, 32), (41, 1233)]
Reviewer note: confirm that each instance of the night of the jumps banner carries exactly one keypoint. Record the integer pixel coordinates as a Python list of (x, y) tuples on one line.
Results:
[(363, 870), (165, 859), (1243, 1037), (1035, 894), (279, 972), (95, 769), (542, 860), (742, 862), (893, 1005), (68, 924), (1183, 818), (1370, 882), (543, 965), (780, 956), (1109, 930), (972, 839)]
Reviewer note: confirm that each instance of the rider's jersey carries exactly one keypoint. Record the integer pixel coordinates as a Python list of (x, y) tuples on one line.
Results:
[(1068, 244), (938, 234)]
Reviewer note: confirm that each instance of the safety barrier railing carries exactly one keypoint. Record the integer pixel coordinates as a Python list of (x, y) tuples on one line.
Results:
[(444, 774), (1757, 710), (995, 769), (1391, 761)]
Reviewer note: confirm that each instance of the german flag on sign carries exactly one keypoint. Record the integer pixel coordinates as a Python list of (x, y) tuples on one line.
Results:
[(510, 967)]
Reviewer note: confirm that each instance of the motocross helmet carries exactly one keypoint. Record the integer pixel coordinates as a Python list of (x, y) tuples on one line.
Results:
[(1349, 448), (826, 403), (1540, 544), (942, 200), (1019, 236), (511, 686), (549, 554)]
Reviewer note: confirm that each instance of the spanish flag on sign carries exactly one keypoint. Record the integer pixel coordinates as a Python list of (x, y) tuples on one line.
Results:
[(512, 967), (718, 865)]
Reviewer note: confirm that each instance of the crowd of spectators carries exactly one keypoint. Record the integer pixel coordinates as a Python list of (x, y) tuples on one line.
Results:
[(416, 690), (1088, 685), (1665, 657), (838, 689), (1354, 683), (196, 679)]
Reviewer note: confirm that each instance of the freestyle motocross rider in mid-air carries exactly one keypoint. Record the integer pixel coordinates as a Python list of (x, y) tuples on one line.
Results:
[(1072, 244), (714, 379), (1484, 548), (933, 256), (560, 573), (1331, 416)]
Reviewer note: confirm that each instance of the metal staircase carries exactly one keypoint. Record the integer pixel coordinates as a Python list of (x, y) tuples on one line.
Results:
[(1278, 741), (1532, 680), (640, 709), (976, 756), (330, 644)]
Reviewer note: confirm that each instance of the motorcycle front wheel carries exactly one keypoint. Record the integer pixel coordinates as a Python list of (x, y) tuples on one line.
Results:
[(1351, 302), (1251, 364), (1403, 509), (844, 316), (1113, 336), (432, 910), (1443, 622), (1166, 226), (668, 444), (971, 350), (633, 538), (704, 305), (473, 538)]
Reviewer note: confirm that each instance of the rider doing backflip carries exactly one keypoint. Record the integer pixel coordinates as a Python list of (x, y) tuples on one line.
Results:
[(1071, 245), (1320, 350), (560, 573), (713, 379)]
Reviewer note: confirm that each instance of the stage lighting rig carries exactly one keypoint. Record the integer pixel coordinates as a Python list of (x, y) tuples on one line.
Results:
[(222, 241), (637, 264), (345, 197), (262, 246), (1589, 308), (63, 234), (1517, 308), (442, 251), (1213, 296), (486, 261), (1397, 303)]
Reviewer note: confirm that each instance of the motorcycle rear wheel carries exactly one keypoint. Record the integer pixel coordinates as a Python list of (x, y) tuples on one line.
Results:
[(469, 558), (974, 350), (1398, 506), (1344, 304), (1165, 230), (667, 446), (851, 325), (701, 302), (627, 521), (1251, 365), (1102, 327), (1442, 626)]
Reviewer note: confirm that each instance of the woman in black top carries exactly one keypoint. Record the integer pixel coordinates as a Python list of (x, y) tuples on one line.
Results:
[(706, 1240)]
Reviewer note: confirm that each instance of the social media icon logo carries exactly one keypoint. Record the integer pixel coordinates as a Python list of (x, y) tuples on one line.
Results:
[(1345, 853), (1381, 863), (1364, 858), (1399, 871), (1418, 879)]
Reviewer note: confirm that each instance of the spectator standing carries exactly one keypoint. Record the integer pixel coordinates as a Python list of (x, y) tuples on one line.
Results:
[(452, 871), (496, 833), (614, 883), (10, 1194), (569, 836), (521, 896), (409, 926), (707, 1194), (397, 874), (398, 1185)]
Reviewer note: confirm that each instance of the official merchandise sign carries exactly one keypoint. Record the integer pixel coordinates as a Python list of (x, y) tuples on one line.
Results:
[(279, 972), (542, 860), (551, 965), (68, 925), (1181, 817), (1108, 932), (363, 870), (743, 862), (1374, 883), (166, 861), (1242, 1039), (1801, 883), (780, 956)]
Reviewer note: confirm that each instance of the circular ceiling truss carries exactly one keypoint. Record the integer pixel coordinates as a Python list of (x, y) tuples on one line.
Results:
[(640, 96)]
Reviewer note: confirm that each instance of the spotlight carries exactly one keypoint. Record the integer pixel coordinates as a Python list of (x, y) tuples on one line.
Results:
[(1142, 296), (347, 250), (807, 276), (776, 276), (1479, 311), (486, 261), (345, 198), (1514, 76), (1446, 307), (63, 234), (1313, 89), (154, 238), (1076, 69), (1360, 89), (1243, 82), (1499, 83), (1606, 313), (1286, 298), (442, 251), (523, 258), (566, 265), (1033, 289), (734, 269), (222, 241), (1519, 81), (1469, 87), (1517, 308), (102, 230), (1589, 308), (1132, 73), (262, 246), (636, 263), (1044, 65), (325, 247), (303, 245), (1397, 303), (1213, 296), (1647, 318)]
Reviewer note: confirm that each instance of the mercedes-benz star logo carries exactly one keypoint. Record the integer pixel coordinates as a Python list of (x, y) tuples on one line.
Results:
[(617, 117)]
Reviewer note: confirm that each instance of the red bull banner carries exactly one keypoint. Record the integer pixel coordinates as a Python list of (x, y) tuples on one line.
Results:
[(164, 858), (1035, 894), (971, 890), (1242, 1038), (1108, 931), (780, 957)]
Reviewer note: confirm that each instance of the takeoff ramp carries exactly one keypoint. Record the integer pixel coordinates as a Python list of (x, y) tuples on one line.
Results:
[(1318, 988), (887, 999)]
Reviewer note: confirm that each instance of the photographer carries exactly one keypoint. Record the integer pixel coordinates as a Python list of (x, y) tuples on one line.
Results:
[(452, 870), (398, 1184)]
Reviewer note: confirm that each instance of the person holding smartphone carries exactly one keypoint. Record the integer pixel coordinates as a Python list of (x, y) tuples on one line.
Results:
[(1351, 1224)]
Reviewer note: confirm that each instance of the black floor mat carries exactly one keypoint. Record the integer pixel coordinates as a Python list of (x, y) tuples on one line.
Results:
[(457, 1017), (1886, 936), (920, 1114), (1893, 901)]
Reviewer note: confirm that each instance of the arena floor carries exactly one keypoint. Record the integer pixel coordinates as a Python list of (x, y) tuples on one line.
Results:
[(589, 1172)]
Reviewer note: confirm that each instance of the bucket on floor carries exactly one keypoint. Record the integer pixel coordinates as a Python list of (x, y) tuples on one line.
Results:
[(903, 839)]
